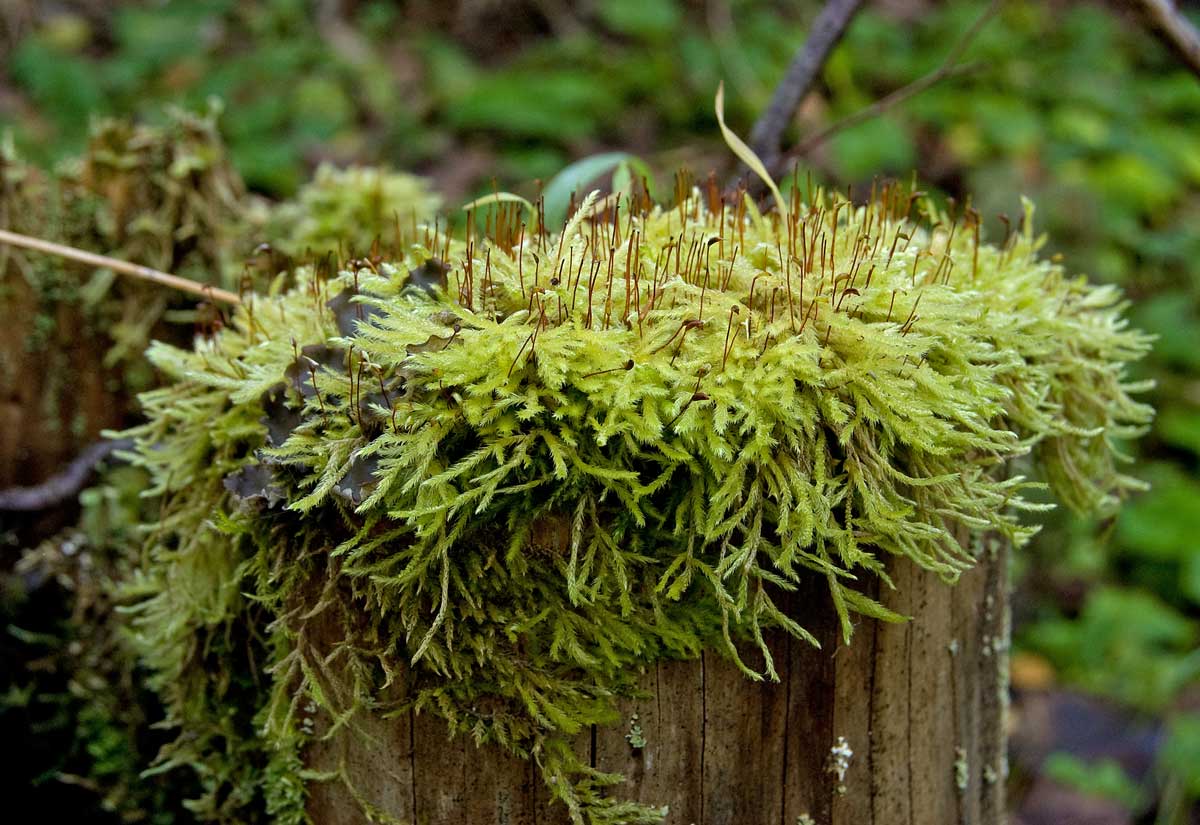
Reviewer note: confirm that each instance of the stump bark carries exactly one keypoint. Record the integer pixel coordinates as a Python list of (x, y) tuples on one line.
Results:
[(921, 705), (56, 394)]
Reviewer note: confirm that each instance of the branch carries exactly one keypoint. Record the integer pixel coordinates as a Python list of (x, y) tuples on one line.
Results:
[(145, 273), (1172, 28), (60, 487), (948, 68), (766, 138)]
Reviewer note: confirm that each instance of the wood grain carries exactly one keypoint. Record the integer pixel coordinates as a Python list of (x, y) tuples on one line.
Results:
[(56, 395), (921, 705)]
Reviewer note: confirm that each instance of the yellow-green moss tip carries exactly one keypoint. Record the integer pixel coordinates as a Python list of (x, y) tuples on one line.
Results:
[(514, 466), (345, 211)]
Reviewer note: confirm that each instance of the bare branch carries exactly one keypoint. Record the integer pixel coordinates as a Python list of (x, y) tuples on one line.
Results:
[(60, 487), (766, 138), (948, 68), (1171, 27), (145, 273)]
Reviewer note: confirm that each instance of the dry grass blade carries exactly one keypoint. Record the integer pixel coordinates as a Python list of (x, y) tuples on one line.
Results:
[(145, 273), (744, 153), (500, 197)]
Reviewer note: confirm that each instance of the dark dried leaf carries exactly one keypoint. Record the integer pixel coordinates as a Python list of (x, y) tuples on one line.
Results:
[(313, 357), (280, 419), (359, 480), (429, 276), (447, 318), (254, 487), (434, 343), (348, 313)]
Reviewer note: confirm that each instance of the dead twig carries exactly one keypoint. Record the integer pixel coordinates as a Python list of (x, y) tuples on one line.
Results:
[(1171, 27), (145, 273), (948, 68), (766, 138), (61, 486)]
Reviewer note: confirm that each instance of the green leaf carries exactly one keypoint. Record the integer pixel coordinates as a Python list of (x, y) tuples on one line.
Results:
[(63, 84), (644, 18), (578, 175), (1127, 644), (566, 104), (1164, 523), (1181, 751), (1180, 428), (1173, 317), (879, 145), (1189, 580)]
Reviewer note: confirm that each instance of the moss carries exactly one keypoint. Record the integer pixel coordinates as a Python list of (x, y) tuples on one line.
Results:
[(163, 196), (505, 470), (73, 357), (345, 211), (167, 197)]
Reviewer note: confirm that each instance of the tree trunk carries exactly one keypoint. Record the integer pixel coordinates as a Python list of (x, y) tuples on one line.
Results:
[(920, 705)]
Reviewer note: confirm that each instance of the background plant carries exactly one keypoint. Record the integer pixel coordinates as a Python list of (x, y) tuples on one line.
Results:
[(1066, 102)]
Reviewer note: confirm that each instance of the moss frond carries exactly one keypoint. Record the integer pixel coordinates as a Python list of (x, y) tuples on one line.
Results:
[(345, 211), (509, 468)]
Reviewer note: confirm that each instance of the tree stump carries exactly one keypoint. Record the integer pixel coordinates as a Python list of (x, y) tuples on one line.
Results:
[(905, 724), (56, 395)]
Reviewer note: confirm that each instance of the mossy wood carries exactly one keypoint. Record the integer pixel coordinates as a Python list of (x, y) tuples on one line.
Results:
[(71, 362), (920, 706), (164, 196), (72, 339), (488, 484)]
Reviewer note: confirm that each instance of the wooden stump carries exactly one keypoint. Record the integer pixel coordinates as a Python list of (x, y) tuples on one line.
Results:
[(920, 705), (56, 395)]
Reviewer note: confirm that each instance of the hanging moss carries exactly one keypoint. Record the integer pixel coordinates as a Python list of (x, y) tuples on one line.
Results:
[(75, 680), (506, 471)]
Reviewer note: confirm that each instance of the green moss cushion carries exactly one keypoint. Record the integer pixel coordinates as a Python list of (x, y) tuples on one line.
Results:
[(508, 469)]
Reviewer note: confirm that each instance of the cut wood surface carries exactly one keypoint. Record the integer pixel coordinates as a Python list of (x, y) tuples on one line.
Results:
[(921, 706)]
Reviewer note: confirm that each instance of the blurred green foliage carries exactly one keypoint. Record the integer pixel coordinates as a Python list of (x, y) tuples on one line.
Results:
[(404, 84), (371, 201), (1182, 751), (1071, 104), (1125, 643), (1103, 778)]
